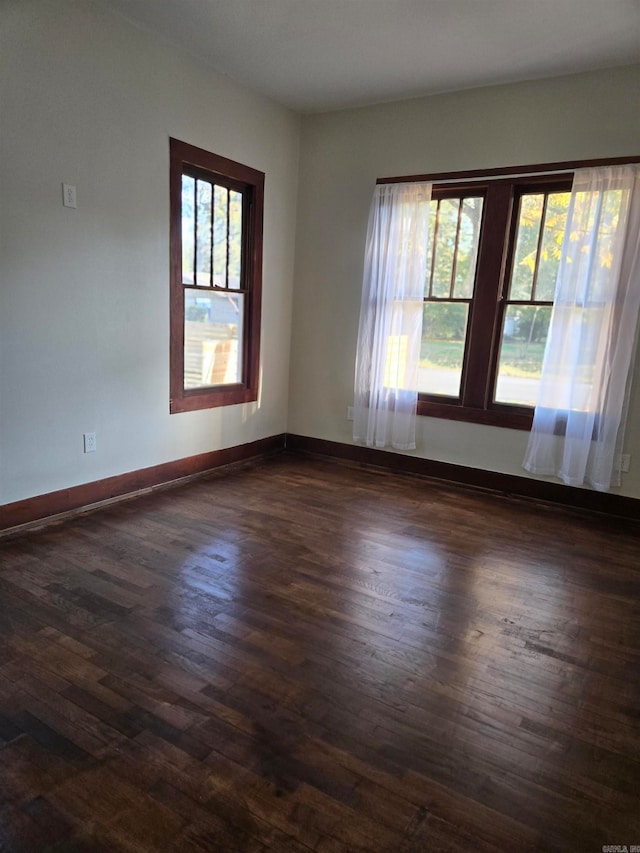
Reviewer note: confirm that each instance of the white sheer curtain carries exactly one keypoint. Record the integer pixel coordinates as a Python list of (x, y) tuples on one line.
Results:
[(586, 375), (390, 328)]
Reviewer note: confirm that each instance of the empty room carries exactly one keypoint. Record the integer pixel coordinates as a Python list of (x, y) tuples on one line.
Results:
[(319, 426)]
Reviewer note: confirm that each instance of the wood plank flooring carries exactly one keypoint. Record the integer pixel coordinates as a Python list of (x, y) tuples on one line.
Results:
[(303, 656)]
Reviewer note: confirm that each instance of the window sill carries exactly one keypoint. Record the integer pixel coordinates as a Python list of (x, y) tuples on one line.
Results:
[(212, 398), (509, 417)]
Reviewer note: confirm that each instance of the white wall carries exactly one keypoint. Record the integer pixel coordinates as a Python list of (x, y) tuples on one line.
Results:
[(579, 117), (84, 338), (84, 322)]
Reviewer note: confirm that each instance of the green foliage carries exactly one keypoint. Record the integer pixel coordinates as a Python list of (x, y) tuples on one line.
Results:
[(527, 323), (225, 207), (443, 354), (516, 358), (445, 321), (537, 255), (526, 252), (451, 266), (450, 270)]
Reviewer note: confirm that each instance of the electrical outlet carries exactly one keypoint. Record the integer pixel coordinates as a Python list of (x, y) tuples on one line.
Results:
[(69, 195), (625, 462), (349, 413), (89, 442)]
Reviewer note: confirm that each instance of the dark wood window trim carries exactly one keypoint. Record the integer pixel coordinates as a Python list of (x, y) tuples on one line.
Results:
[(567, 166), (501, 189), (187, 159)]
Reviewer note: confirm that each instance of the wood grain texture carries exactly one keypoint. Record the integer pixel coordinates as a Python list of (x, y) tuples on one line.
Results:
[(189, 159), (548, 491), (304, 656), (82, 496), (530, 169)]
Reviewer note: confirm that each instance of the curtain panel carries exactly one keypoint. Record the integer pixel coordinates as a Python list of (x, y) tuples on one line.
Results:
[(390, 327), (578, 425)]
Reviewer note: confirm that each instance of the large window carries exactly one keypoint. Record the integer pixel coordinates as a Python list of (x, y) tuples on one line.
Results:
[(491, 268), (216, 273)]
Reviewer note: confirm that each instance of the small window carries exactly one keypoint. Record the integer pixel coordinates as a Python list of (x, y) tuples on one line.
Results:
[(216, 275), (454, 233)]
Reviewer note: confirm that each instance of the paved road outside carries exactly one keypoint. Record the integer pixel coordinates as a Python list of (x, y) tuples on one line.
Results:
[(511, 389)]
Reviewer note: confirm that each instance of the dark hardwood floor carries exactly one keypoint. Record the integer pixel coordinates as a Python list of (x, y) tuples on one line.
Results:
[(304, 656)]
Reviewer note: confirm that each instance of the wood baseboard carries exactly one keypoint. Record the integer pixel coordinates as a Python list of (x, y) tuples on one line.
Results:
[(43, 508), (607, 503), (81, 497)]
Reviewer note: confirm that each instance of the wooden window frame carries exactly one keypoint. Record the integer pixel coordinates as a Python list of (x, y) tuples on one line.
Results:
[(501, 190), (188, 159)]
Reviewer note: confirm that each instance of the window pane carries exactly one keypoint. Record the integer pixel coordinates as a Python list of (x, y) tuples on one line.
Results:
[(600, 213), (220, 223), (212, 338), (188, 238), (521, 353), (235, 238), (551, 248), (444, 330), (203, 234), (433, 208), (445, 243), (526, 246), (467, 254)]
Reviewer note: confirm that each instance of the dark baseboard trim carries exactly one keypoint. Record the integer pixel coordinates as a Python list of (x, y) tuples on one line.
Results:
[(68, 502), (506, 484), (81, 497)]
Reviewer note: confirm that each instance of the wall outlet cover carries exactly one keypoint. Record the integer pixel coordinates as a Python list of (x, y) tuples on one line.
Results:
[(69, 198)]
